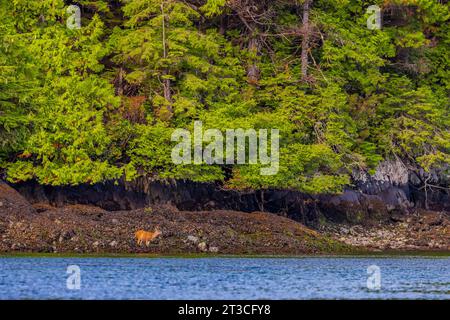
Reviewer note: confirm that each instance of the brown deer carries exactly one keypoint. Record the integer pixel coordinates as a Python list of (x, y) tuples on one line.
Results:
[(146, 236)]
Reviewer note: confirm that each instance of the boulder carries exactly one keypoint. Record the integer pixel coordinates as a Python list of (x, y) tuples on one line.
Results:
[(213, 249), (202, 246), (192, 239)]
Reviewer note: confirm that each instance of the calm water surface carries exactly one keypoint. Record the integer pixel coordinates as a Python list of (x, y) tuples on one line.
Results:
[(225, 278)]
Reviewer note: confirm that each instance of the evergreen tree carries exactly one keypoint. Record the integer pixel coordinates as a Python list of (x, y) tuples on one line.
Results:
[(101, 102)]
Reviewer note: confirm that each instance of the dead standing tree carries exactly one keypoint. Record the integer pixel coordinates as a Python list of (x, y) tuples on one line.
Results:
[(255, 15), (306, 33), (166, 80)]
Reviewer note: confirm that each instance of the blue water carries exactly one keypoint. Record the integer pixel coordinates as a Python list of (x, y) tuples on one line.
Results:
[(225, 278)]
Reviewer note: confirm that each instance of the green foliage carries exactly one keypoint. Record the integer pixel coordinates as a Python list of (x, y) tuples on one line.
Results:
[(101, 102), (69, 140), (18, 87)]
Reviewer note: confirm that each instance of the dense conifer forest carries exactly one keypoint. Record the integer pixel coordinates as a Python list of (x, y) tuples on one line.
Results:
[(99, 101)]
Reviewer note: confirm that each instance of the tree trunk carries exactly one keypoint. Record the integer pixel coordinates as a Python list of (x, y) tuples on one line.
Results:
[(223, 25), (261, 207), (305, 40), (253, 72), (120, 82), (166, 87), (166, 82), (425, 185)]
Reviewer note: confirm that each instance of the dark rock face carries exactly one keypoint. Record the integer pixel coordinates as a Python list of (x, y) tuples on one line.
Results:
[(185, 195), (129, 196), (374, 198), (356, 207), (437, 195), (401, 189)]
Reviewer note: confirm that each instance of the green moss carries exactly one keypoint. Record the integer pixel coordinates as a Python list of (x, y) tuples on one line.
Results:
[(345, 253)]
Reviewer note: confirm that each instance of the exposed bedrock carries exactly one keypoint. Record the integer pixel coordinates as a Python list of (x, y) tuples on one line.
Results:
[(391, 190)]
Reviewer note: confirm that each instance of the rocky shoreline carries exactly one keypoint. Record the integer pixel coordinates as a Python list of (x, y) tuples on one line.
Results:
[(419, 231), (83, 229), (87, 229)]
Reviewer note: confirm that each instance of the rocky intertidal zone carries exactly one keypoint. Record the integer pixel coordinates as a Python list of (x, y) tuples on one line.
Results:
[(421, 230), (86, 229), (79, 229)]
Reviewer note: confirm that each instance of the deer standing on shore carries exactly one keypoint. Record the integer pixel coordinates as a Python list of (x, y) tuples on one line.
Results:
[(146, 236)]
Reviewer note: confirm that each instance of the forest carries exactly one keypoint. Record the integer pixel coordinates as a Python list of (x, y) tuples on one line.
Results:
[(98, 101)]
